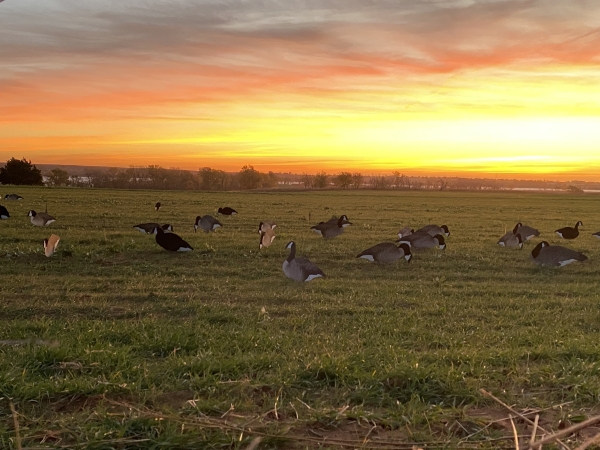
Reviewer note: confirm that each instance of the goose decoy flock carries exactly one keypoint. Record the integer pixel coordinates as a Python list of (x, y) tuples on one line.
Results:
[(4, 213), (299, 269), (40, 219), (227, 211), (569, 232), (50, 245), (148, 228), (13, 197), (207, 223)]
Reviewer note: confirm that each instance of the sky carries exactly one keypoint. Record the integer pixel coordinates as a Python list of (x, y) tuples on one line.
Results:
[(451, 87)]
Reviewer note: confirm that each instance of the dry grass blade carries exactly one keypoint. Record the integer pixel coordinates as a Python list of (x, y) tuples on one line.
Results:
[(567, 431), (534, 431), (515, 434), (17, 430), (254, 443)]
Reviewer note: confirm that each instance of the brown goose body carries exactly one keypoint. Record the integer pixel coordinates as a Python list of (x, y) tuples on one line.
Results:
[(51, 244), (423, 241), (569, 232), (433, 230), (40, 219), (267, 234), (555, 255), (332, 228), (511, 240), (386, 252), (299, 269), (525, 231)]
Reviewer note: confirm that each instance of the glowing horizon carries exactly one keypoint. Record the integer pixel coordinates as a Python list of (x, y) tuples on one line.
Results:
[(478, 87)]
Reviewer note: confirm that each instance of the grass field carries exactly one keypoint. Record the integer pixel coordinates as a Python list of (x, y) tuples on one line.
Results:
[(142, 348)]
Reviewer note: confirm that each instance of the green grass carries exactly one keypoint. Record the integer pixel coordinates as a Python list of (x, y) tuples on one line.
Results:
[(151, 349)]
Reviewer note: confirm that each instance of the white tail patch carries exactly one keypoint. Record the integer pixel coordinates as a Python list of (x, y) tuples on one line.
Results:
[(3, 217), (344, 225), (367, 257), (566, 261), (140, 229), (50, 221), (501, 244), (215, 226), (184, 249), (559, 233), (318, 232), (312, 277)]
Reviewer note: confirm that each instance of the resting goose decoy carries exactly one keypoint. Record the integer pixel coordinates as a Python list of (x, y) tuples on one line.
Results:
[(171, 241), (50, 245), (525, 231), (386, 252), (157, 206), (207, 223), (299, 269), (405, 232), (569, 232), (4, 213), (148, 228), (433, 230), (13, 197), (267, 234), (511, 240), (555, 255), (40, 219), (332, 227), (422, 241), (227, 211), (596, 235)]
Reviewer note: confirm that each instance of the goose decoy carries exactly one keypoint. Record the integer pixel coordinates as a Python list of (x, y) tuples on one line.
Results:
[(525, 231), (596, 235), (386, 252), (267, 234), (50, 245), (148, 228), (40, 219), (227, 211), (13, 197), (332, 227), (157, 206), (511, 240), (4, 213), (422, 240), (207, 223), (405, 232), (569, 232), (299, 269), (434, 230), (171, 241), (555, 255)]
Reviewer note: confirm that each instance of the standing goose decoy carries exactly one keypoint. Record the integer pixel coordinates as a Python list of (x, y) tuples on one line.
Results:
[(511, 240), (267, 234), (405, 232), (171, 241), (148, 228), (422, 241), (596, 235), (386, 252), (554, 255), (157, 206), (569, 232), (13, 197), (50, 245), (40, 219), (332, 227), (4, 213), (434, 230), (299, 269), (525, 231), (227, 211), (207, 223)]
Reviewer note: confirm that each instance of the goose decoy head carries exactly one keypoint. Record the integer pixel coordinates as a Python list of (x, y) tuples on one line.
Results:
[(441, 241), (520, 240), (407, 253)]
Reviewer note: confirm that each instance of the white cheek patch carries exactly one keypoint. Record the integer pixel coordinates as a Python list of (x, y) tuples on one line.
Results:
[(407, 257), (442, 247), (312, 277), (566, 261), (368, 257)]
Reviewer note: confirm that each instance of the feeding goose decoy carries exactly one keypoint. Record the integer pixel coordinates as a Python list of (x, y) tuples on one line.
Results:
[(267, 234), (299, 269), (433, 230), (332, 227), (511, 240), (207, 223), (227, 211), (148, 228), (569, 232), (405, 232), (525, 231), (171, 241), (422, 241), (555, 255), (157, 206), (50, 245), (386, 252), (4, 213), (40, 219), (596, 235), (13, 197)]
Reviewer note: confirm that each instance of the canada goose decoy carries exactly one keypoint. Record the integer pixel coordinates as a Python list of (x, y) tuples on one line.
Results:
[(386, 252), (422, 240), (40, 219), (227, 211), (434, 230), (596, 235), (4, 213), (335, 219), (171, 241), (13, 197), (511, 240), (148, 228), (569, 232), (555, 255), (207, 223), (50, 245), (525, 231), (332, 227), (405, 232), (267, 234), (157, 206), (299, 269)]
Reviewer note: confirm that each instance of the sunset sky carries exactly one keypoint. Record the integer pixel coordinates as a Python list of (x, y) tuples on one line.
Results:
[(494, 87)]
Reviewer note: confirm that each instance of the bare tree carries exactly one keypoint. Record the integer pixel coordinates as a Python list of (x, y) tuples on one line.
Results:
[(357, 180), (321, 180), (344, 179)]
